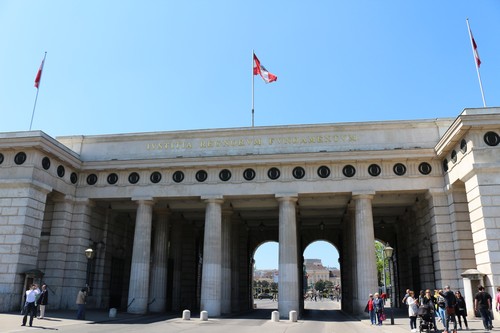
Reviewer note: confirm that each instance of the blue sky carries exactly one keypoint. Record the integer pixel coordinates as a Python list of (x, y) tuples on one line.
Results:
[(119, 66), (266, 255)]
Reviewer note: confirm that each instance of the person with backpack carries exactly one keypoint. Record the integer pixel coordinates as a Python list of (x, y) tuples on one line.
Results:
[(482, 303)]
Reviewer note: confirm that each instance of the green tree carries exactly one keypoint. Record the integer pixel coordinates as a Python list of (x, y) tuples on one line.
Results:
[(274, 287), (319, 285)]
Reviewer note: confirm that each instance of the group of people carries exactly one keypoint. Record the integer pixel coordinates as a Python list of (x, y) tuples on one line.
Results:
[(35, 297), (375, 308), (448, 306)]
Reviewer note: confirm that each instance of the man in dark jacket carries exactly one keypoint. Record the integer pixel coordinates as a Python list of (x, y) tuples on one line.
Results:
[(450, 302), (482, 302)]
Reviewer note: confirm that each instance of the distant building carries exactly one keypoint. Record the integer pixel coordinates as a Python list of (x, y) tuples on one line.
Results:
[(316, 271)]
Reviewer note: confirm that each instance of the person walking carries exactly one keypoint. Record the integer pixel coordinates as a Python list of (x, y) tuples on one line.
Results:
[(482, 303), (441, 307), (378, 304), (412, 310), (43, 299), (461, 310), (30, 304), (450, 303), (497, 299), (371, 309), (81, 300)]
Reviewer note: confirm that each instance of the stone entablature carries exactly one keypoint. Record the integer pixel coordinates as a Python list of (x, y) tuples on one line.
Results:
[(260, 141)]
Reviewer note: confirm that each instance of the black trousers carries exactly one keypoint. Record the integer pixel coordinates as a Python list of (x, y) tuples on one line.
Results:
[(31, 311)]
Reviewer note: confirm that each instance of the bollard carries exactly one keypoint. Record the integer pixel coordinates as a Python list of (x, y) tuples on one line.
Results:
[(204, 315), (275, 316), (186, 315), (292, 316), (112, 313)]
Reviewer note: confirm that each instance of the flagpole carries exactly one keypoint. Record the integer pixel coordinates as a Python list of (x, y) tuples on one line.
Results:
[(253, 64), (37, 89), (475, 62)]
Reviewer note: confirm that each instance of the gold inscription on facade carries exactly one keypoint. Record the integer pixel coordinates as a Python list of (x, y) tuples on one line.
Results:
[(173, 145), (252, 142)]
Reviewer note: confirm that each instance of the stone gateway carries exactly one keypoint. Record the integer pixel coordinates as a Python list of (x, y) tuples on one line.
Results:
[(169, 221)]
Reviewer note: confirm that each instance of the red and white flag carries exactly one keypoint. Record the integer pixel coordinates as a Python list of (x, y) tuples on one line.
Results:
[(474, 49), (262, 71), (39, 74)]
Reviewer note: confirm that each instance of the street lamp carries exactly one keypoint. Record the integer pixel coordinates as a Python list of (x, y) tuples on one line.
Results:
[(388, 250), (89, 253)]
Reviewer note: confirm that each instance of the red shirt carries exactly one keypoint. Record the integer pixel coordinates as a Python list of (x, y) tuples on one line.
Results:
[(370, 304)]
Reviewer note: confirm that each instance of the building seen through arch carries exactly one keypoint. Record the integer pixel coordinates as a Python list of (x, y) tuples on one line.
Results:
[(173, 218)]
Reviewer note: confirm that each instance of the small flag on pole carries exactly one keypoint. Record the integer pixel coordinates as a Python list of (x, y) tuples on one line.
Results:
[(477, 60), (474, 49), (258, 69), (39, 74)]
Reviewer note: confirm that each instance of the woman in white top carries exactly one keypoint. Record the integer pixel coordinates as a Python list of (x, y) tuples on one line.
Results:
[(412, 310)]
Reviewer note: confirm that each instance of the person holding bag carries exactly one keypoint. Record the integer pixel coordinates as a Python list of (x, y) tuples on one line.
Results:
[(378, 304)]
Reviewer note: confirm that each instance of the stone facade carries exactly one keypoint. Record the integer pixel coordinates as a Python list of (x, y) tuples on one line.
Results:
[(175, 217)]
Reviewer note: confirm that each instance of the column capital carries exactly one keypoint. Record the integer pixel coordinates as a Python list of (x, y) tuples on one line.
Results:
[(144, 200), (216, 198), (283, 197), (368, 194)]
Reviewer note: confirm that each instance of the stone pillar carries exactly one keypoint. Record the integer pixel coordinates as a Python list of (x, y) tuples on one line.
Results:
[(212, 258), (21, 218), (176, 255), (138, 290), (226, 261), (158, 291), (444, 253), (79, 240), (366, 269), (235, 267), (288, 286), (60, 232)]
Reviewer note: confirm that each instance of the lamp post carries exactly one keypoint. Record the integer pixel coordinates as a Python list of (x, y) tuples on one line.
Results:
[(388, 250), (89, 253)]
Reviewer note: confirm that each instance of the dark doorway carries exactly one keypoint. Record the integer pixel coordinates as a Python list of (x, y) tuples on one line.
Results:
[(116, 283)]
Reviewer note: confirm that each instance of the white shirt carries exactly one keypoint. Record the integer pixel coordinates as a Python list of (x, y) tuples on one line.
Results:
[(31, 295)]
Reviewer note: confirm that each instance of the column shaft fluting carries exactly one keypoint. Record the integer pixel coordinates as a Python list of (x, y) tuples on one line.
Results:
[(158, 291), (138, 291), (288, 286), (212, 259), (366, 269), (226, 262)]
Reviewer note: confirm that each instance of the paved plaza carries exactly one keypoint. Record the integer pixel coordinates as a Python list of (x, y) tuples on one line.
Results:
[(319, 317)]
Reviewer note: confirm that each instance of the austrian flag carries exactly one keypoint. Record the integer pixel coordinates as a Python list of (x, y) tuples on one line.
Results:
[(262, 71)]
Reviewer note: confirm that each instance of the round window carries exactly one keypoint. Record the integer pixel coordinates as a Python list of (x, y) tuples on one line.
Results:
[(399, 169), (20, 158), (155, 177), (323, 171), (201, 176), (225, 175), (112, 178), (133, 178), (298, 172), (61, 171), (349, 171), (46, 163), (73, 178), (425, 168), (491, 139), (92, 179), (249, 174), (178, 176), (273, 173), (374, 170)]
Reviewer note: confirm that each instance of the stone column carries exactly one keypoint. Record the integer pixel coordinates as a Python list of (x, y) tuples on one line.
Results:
[(138, 290), (158, 291), (366, 269), (226, 261), (176, 255), (58, 248), (212, 258), (288, 285)]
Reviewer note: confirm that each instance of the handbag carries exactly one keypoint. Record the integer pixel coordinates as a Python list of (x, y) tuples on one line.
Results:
[(382, 316), (450, 310)]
